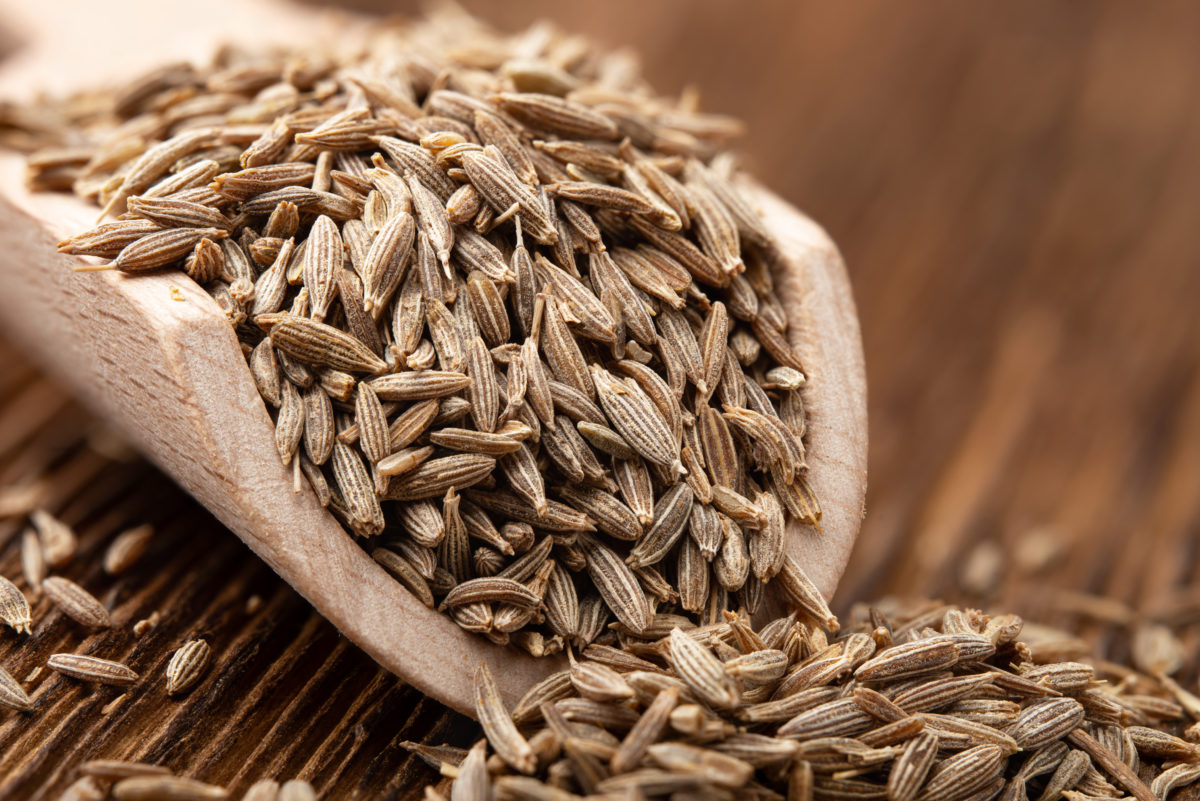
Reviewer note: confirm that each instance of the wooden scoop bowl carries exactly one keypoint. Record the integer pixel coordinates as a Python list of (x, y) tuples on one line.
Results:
[(154, 355)]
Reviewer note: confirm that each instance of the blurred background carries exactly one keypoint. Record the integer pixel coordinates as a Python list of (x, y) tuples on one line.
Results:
[(1015, 188)]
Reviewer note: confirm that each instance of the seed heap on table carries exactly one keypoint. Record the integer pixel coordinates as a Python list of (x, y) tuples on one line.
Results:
[(926, 702)]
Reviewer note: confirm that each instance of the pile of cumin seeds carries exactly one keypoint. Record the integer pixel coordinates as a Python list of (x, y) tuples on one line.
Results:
[(513, 319), (924, 702)]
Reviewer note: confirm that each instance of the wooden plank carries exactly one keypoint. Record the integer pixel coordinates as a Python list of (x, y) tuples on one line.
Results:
[(285, 696), (982, 171)]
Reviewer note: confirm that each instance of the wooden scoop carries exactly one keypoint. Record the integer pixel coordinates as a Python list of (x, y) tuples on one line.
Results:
[(154, 355)]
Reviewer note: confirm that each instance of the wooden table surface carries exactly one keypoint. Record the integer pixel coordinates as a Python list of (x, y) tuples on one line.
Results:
[(1015, 189)]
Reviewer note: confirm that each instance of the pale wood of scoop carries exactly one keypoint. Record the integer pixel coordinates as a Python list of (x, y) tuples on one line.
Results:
[(153, 355)]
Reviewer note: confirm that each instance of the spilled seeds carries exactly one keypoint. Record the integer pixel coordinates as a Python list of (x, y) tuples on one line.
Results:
[(925, 702)]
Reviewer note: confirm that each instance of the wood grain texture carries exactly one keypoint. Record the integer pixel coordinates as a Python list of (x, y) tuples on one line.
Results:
[(284, 696), (1014, 190)]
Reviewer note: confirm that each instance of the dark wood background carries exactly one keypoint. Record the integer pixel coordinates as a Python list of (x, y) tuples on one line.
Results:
[(1016, 189)]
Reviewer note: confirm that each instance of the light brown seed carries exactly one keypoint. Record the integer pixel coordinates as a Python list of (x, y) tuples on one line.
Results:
[(432, 478), (962, 774), (488, 308), (498, 724), (709, 765), (482, 389), (609, 514), (108, 239), (14, 608), (472, 441), (633, 480), (939, 692), (473, 782), (316, 343), (1172, 778), (297, 790), (671, 515), (659, 392), (634, 416), (701, 671), (365, 516), (161, 248), (12, 694), (432, 218), (492, 589), (411, 423), (58, 539), (166, 788), (423, 522), (738, 507), (174, 213), (115, 769), (402, 461), (505, 193), (33, 564), (840, 718), (599, 682), (1162, 745), (187, 666), (265, 368), (479, 257), (800, 590), (715, 228), (404, 572), (464, 204), (617, 584), (909, 659), (289, 424), (318, 424), (551, 113), (419, 385), (759, 667), (1068, 774), (127, 548), (646, 731), (1045, 720), (604, 439), (691, 260), (1111, 764), (76, 602), (780, 449), (692, 576), (559, 517), (732, 565), (374, 438), (91, 668), (561, 349)]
